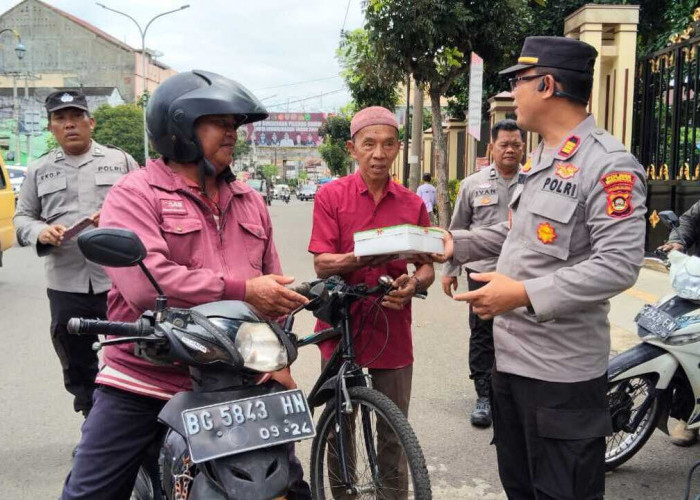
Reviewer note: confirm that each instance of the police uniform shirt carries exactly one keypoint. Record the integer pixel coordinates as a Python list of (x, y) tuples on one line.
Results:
[(62, 189), (576, 239), (482, 201)]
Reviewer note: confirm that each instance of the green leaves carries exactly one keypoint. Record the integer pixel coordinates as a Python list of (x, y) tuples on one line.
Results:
[(335, 133), (370, 81), (121, 126)]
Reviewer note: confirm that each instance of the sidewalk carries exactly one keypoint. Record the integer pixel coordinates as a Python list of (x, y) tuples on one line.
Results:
[(650, 287)]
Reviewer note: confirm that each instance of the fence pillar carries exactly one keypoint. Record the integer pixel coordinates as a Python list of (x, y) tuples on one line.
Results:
[(612, 31)]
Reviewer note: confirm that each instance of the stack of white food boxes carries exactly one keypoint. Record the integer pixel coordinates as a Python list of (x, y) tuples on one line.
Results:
[(404, 240)]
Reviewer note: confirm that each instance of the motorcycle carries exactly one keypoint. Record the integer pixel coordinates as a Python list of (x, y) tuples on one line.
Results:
[(646, 380), (286, 197), (230, 436)]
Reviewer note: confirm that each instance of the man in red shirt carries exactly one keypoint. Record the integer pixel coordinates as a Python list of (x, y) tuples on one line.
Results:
[(367, 200)]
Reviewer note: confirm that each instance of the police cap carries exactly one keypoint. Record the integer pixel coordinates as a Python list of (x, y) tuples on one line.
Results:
[(555, 52), (65, 99)]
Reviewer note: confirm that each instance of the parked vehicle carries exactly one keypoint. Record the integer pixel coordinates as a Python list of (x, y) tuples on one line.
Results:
[(351, 403), (7, 210), (279, 190), (260, 185), (228, 437), (17, 175), (644, 381), (306, 192)]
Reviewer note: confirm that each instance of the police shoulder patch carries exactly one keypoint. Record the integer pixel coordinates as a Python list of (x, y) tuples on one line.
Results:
[(618, 187), (570, 146)]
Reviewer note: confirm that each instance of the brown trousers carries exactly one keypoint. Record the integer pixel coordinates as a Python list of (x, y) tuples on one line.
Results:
[(396, 385)]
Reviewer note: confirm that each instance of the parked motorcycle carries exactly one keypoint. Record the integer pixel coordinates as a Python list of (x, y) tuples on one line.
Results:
[(230, 436), (646, 380)]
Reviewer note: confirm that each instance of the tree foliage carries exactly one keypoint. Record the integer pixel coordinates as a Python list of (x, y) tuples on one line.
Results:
[(370, 81), (121, 126), (658, 20), (433, 41), (335, 133)]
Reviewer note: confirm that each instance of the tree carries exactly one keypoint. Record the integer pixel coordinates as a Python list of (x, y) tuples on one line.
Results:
[(334, 151), (658, 20), (121, 126), (433, 41), (369, 80)]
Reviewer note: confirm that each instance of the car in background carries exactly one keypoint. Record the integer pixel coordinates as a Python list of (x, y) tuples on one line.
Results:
[(17, 175), (7, 210), (279, 190), (260, 185), (306, 192)]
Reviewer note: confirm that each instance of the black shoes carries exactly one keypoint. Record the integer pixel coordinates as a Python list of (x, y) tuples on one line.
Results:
[(481, 416)]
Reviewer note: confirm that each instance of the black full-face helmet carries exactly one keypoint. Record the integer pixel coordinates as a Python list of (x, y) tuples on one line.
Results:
[(183, 98)]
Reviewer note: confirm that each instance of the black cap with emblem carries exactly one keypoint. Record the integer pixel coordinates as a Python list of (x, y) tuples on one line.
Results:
[(555, 52), (65, 99)]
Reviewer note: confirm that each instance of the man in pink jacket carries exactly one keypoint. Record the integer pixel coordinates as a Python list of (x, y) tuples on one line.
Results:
[(208, 238)]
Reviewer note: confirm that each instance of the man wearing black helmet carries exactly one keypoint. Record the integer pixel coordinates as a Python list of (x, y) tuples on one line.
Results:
[(573, 239), (208, 238)]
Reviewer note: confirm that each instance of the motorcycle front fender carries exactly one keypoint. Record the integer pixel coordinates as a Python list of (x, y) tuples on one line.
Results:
[(644, 359)]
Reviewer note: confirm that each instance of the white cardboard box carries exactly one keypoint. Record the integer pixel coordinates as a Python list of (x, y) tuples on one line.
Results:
[(403, 240)]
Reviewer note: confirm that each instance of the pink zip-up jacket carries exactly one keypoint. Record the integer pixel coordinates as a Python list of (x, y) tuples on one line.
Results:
[(192, 259)]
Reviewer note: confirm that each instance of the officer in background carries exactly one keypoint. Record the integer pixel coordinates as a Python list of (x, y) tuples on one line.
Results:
[(63, 187), (574, 239), (483, 201)]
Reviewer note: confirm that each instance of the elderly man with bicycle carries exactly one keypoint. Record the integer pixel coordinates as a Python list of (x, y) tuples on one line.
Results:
[(367, 200)]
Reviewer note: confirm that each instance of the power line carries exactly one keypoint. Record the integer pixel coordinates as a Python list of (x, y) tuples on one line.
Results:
[(298, 83), (305, 98), (347, 9)]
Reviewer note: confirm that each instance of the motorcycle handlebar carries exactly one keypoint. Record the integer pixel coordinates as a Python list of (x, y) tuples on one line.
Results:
[(302, 289), (81, 326)]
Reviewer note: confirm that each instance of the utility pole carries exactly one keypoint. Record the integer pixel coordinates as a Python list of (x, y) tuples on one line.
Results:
[(144, 90), (417, 142), (406, 135)]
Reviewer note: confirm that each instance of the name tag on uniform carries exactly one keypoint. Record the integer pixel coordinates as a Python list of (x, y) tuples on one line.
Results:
[(172, 207)]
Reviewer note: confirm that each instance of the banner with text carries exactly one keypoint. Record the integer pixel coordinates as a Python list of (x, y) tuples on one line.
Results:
[(476, 84), (287, 130)]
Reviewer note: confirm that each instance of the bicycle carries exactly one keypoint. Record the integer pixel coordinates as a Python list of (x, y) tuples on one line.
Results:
[(340, 445)]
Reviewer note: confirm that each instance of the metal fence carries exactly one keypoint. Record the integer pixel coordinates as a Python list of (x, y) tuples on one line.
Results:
[(666, 128)]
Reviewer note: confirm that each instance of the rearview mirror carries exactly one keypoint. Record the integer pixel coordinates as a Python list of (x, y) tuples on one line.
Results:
[(112, 247), (669, 218)]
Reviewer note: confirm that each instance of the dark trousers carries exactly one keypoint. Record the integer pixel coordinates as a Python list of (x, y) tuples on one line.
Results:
[(117, 435), (396, 385), (78, 360), (481, 352), (550, 437)]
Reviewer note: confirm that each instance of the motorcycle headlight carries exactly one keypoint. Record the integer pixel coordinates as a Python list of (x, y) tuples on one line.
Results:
[(260, 348)]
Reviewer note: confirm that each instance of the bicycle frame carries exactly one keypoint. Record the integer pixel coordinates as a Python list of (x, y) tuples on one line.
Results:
[(340, 372)]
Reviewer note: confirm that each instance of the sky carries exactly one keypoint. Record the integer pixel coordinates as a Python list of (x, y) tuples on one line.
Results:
[(270, 46)]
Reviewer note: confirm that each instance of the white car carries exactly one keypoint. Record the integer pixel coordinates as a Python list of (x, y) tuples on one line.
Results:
[(17, 174)]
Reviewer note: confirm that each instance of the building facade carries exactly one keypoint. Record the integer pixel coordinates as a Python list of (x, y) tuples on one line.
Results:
[(65, 51)]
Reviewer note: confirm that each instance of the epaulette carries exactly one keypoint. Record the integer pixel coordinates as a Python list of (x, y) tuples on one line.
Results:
[(608, 141)]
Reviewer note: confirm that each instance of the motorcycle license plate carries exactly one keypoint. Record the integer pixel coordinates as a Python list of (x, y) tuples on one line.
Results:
[(224, 429), (656, 321)]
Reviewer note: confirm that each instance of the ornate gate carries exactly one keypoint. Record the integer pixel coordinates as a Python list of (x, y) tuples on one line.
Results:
[(666, 127)]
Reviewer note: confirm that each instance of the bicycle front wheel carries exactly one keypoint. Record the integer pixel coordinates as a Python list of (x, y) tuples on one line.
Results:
[(382, 452)]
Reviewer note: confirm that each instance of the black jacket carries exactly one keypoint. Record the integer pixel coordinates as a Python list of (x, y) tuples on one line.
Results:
[(689, 230)]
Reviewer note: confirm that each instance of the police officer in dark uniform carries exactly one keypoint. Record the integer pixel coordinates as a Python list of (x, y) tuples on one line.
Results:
[(65, 186), (574, 239)]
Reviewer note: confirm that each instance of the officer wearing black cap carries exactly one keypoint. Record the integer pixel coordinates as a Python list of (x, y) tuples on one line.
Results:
[(574, 239), (63, 187)]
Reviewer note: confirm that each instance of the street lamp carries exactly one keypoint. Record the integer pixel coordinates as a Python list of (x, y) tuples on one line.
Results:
[(20, 50), (143, 60)]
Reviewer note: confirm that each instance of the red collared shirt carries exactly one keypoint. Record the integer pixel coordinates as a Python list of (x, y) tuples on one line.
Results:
[(341, 209)]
